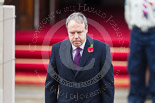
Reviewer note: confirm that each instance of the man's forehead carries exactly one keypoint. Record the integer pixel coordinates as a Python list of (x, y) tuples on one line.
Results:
[(76, 30), (75, 21)]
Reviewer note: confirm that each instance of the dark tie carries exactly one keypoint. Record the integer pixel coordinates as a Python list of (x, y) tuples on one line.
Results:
[(77, 56)]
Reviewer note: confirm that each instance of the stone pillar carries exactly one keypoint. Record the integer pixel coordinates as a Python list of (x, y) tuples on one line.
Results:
[(1, 52), (52, 10), (7, 54), (36, 13)]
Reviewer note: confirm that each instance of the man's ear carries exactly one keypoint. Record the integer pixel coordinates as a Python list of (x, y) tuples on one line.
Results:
[(87, 29)]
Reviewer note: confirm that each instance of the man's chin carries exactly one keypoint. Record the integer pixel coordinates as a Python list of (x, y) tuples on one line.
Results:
[(77, 44)]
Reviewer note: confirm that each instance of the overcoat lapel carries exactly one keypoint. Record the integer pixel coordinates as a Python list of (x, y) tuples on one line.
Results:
[(66, 56)]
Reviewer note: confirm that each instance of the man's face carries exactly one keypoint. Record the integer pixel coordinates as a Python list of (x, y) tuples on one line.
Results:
[(77, 32)]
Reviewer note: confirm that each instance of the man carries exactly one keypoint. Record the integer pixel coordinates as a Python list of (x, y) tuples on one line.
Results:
[(140, 16), (80, 69)]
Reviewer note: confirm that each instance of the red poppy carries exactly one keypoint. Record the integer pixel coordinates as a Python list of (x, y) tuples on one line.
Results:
[(90, 49)]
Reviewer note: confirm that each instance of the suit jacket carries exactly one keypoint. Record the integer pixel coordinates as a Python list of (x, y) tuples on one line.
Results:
[(91, 82)]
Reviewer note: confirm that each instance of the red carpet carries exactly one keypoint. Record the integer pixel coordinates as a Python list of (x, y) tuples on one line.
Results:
[(33, 51), (45, 55), (39, 79), (43, 38)]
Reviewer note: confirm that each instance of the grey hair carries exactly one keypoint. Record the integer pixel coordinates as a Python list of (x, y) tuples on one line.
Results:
[(77, 16)]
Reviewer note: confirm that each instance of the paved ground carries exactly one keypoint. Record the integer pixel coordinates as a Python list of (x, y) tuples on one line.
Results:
[(35, 94)]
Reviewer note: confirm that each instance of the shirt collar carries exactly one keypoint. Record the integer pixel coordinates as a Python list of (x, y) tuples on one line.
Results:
[(82, 46)]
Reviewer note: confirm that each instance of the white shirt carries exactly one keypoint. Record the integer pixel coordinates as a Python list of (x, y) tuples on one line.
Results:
[(74, 49), (140, 13)]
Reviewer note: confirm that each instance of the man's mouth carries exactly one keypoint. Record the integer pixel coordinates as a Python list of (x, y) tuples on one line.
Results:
[(76, 41)]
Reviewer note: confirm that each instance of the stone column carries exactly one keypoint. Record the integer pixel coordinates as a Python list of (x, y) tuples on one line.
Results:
[(52, 10), (7, 54), (1, 51)]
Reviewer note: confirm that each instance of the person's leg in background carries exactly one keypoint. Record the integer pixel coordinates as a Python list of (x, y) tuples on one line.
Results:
[(151, 62), (136, 67), (147, 78)]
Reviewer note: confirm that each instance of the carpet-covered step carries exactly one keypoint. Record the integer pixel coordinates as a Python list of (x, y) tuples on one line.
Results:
[(47, 38), (43, 52), (46, 55), (39, 79), (42, 68), (32, 54), (33, 78), (41, 65)]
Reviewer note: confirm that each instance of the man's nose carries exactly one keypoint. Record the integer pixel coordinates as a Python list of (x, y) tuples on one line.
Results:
[(76, 35)]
